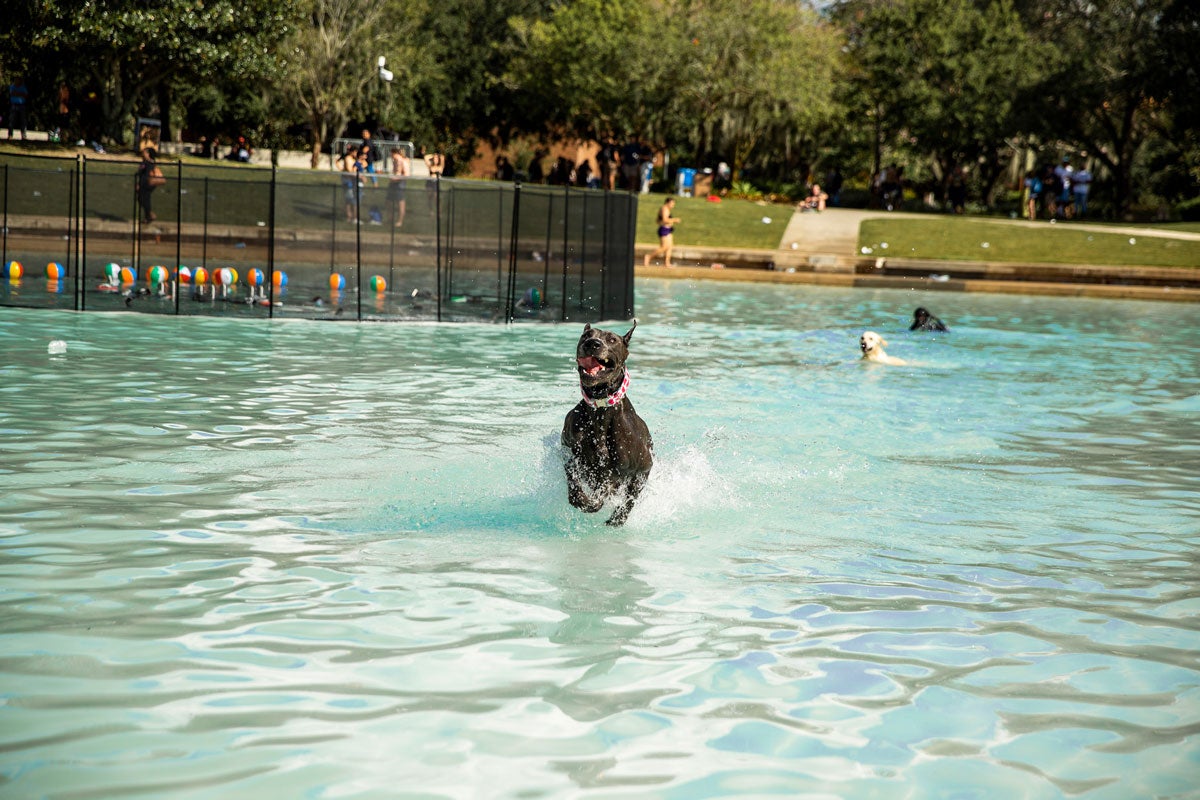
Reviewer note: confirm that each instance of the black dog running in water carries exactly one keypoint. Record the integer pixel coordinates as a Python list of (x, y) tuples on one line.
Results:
[(924, 321), (610, 446)]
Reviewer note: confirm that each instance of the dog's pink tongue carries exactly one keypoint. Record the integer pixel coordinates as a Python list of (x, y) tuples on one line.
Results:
[(590, 365)]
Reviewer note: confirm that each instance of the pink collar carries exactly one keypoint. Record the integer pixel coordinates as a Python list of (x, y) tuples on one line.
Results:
[(609, 401)]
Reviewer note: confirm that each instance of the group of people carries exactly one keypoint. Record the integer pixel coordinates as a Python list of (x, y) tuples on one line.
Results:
[(358, 166), (1060, 190), (629, 166)]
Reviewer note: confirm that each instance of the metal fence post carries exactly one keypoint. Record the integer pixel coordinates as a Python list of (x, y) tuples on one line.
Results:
[(583, 256), (271, 247), (511, 299), (546, 260), (358, 193), (71, 232), (204, 230), (81, 273), (437, 213), (178, 230), (605, 278), (333, 214), (566, 247), (135, 254), (499, 241)]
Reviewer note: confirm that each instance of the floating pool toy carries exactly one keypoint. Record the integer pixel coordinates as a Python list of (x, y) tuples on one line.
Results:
[(532, 298), (157, 275), (200, 276), (185, 274), (112, 271), (14, 270), (225, 276), (337, 282), (280, 278), (55, 271), (254, 277), (377, 283), (128, 275)]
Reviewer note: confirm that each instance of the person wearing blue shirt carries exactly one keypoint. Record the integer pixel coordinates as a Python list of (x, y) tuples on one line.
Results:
[(18, 102)]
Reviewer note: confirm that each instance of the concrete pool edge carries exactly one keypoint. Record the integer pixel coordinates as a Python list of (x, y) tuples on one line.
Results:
[(940, 284)]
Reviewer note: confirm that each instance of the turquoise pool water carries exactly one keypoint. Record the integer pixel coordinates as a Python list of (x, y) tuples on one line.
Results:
[(302, 559)]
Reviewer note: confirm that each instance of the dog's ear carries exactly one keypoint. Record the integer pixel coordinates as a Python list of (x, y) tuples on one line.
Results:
[(587, 326), (882, 342), (629, 334)]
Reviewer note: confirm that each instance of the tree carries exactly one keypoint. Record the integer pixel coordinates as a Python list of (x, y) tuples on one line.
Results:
[(330, 62), (946, 76), (592, 67), (1116, 76), (128, 48), (752, 69)]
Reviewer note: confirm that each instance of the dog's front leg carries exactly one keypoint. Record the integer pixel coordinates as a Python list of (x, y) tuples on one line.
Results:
[(631, 495), (577, 495)]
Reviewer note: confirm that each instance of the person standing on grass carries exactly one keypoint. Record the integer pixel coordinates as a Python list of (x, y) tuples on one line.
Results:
[(666, 232), (1080, 182), (18, 107)]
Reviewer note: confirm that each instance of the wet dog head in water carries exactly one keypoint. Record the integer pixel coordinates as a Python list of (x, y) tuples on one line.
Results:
[(924, 321), (872, 344), (600, 358)]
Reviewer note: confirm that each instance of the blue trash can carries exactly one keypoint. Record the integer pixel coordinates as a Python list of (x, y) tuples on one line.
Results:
[(685, 182)]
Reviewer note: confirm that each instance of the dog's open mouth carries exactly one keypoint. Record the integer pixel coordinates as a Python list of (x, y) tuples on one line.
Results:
[(591, 366)]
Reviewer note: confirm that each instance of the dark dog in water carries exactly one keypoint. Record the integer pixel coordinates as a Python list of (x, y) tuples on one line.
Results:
[(610, 446), (924, 321)]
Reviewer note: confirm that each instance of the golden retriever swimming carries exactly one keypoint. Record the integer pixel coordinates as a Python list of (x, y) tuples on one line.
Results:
[(872, 345)]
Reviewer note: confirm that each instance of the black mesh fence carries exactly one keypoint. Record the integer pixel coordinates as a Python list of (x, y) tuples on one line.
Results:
[(226, 240)]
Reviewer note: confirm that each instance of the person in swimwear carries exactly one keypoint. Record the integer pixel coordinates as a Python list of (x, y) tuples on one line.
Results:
[(666, 230)]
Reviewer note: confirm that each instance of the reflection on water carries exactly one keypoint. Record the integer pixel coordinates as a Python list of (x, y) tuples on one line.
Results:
[(327, 560)]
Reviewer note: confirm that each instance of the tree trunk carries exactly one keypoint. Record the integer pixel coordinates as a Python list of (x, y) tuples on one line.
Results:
[(316, 138)]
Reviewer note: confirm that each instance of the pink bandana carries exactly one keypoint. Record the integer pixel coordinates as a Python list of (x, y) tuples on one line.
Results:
[(612, 399)]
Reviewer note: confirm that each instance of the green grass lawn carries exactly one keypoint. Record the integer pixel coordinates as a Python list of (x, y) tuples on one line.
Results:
[(980, 239), (730, 223)]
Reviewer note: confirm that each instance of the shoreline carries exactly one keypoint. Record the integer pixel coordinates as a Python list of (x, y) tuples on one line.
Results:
[(1109, 291)]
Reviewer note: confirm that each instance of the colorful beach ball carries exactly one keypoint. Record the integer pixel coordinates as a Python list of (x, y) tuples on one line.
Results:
[(185, 274), (157, 275), (337, 282), (254, 277), (112, 271), (14, 270), (200, 276), (377, 283), (128, 275), (225, 276), (532, 298), (55, 271), (280, 278)]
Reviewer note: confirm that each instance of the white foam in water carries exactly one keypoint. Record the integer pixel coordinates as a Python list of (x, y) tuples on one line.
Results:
[(682, 482), (57, 347)]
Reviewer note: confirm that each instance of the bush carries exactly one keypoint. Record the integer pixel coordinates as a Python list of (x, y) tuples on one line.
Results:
[(744, 190)]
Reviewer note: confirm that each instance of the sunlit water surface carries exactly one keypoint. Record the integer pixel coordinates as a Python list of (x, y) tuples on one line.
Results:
[(309, 559)]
